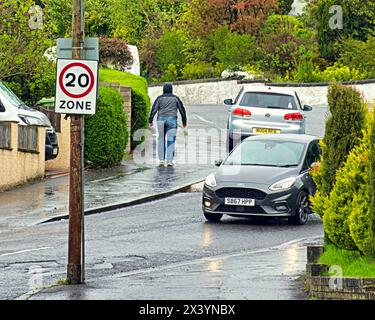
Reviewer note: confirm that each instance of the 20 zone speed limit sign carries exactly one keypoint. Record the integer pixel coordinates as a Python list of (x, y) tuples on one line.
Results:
[(76, 86)]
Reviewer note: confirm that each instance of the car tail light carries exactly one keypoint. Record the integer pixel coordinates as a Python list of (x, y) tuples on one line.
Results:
[(293, 116), (241, 113)]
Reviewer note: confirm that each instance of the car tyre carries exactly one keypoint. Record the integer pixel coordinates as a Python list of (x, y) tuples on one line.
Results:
[(213, 217), (302, 209)]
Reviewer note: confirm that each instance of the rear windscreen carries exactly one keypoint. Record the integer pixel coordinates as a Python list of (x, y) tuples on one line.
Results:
[(268, 100)]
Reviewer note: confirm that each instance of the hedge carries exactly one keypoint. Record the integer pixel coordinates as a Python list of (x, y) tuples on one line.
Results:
[(140, 100), (106, 132), (343, 133)]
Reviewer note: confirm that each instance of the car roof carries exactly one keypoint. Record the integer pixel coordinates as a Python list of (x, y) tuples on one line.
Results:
[(268, 89), (303, 138)]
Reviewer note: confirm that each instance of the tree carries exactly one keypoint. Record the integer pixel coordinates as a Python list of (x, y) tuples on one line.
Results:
[(242, 16), (341, 19), (24, 34), (343, 133), (232, 49)]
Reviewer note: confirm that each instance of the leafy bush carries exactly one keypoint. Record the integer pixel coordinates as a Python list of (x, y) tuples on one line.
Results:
[(343, 132), (171, 51), (140, 99), (359, 55), (114, 52), (200, 70), (348, 220), (342, 219), (106, 131), (232, 49), (339, 72), (307, 71)]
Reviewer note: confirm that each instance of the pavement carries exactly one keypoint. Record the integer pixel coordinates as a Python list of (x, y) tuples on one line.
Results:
[(266, 274)]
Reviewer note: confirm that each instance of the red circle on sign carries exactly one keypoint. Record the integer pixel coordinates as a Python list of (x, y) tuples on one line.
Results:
[(72, 65)]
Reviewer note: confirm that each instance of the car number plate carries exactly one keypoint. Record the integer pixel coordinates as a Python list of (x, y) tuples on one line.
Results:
[(54, 151), (266, 130), (240, 202)]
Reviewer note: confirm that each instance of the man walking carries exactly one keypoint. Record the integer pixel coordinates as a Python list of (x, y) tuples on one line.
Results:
[(166, 107)]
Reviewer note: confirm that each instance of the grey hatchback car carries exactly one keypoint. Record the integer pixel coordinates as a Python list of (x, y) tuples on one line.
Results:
[(264, 110), (265, 176)]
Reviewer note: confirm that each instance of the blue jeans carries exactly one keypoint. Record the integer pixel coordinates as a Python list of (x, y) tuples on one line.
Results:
[(167, 129)]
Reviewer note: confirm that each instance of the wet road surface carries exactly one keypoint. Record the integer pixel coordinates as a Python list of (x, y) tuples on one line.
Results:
[(158, 235), (30, 204)]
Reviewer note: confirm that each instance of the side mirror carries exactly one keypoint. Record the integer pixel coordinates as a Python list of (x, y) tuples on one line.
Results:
[(307, 108), (218, 163), (228, 102)]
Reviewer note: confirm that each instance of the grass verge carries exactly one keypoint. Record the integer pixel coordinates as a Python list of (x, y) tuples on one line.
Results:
[(352, 263)]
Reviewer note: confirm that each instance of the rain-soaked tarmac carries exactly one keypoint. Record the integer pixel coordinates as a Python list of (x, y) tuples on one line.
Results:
[(36, 202)]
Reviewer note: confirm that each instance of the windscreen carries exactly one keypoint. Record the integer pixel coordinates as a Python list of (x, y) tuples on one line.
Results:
[(268, 100), (267, 153)]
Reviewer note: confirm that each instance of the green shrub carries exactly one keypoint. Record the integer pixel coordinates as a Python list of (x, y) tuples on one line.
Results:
[(345, 216), (232, 49), (360, 55), (140, 99), (338, 72), (171, 51), (199, 70), (343, 132), (106, 131), (348, 220), (371, 187)]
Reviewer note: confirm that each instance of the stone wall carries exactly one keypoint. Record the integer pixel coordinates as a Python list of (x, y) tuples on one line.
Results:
[(330, 288), (18, 167), (215, 91)]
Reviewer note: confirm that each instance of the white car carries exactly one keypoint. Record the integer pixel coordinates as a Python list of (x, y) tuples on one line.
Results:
[(14, 109), (264, 110)]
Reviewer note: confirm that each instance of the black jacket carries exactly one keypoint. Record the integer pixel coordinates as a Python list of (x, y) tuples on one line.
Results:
[(167, 105)]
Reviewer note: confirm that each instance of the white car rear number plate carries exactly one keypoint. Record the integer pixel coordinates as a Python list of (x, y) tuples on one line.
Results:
[(240, 202)]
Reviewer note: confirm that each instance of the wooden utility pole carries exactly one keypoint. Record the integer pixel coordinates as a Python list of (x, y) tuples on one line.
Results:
[(75, 272)]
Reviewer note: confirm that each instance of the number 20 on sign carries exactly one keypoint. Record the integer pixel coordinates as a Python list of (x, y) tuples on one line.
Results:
[(76, 86)]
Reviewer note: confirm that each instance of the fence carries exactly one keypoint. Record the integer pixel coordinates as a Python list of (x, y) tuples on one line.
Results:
[(28, 138), (22, 154), (5, 142)]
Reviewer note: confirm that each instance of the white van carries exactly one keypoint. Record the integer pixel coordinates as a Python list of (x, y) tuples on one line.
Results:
[(13, 109)]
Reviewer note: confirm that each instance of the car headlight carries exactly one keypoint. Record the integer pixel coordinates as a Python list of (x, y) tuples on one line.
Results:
[(211, 180), (283, 184)]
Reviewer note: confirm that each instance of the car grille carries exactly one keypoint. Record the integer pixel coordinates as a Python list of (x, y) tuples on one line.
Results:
[(241, 193), (240, 209)]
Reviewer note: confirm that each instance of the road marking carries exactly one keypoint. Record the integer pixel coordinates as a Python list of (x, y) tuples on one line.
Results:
[(204, 120), (24, 251)]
